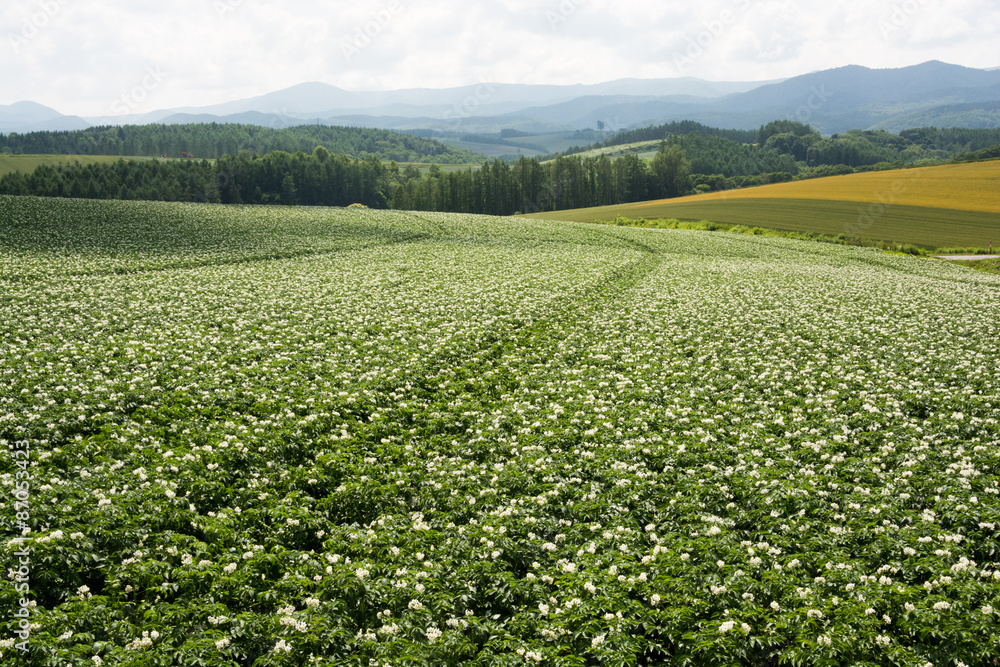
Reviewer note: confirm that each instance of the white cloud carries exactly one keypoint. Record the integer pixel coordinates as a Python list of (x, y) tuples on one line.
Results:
[(83, 56)]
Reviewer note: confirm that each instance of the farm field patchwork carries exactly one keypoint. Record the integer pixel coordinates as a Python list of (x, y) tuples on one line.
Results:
[(973, 186), (490, 150), (943, 206), (280, 436), (933, 227)]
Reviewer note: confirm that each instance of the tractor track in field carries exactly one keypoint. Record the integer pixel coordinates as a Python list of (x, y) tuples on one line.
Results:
[(480, 364)]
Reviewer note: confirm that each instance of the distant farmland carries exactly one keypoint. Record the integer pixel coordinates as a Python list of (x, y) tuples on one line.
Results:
[(644, 149), (950, 205)]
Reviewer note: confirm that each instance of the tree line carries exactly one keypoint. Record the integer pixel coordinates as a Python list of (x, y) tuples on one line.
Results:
[(530, 186), (690, 163), (316, 179), (661, 132), (216, 140), (794, 147), (323, 179)]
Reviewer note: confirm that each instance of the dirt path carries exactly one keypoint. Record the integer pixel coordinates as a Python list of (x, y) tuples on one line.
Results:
[(968, 258)]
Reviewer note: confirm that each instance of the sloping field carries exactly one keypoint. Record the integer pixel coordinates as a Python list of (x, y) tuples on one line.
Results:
[(489, 150), (933, 227), (966, 187), (950, 205), (644, 149), (256, 436)]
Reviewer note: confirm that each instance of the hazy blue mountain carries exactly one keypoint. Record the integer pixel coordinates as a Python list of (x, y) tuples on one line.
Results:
[(836, 100), (833, 101), (841, 99), (276, 121), (31, 117), (320, 100), (27, 113), (853, 97), (974, 115)]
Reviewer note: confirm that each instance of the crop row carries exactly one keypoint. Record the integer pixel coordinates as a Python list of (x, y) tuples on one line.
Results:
[(464, 440)]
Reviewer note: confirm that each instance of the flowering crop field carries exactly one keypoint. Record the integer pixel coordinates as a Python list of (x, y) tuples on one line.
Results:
[(277, 436)]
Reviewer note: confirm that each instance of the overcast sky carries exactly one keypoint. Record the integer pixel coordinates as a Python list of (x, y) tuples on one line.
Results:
[(104, 57)]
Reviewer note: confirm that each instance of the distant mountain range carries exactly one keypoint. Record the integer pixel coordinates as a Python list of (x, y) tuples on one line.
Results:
[(30, 117), (835, 100)]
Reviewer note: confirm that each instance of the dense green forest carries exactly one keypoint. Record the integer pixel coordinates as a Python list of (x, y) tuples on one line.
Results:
[(528, 186), (793, 147), (214, 140), (315, 179), (686, 163), (322, 179), (661, 132)]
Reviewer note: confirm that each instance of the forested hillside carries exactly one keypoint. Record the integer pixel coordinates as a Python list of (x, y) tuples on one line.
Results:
[(743, 153), (678, 128), (322, 179), (312, 179), (214, 140), (701, 160)]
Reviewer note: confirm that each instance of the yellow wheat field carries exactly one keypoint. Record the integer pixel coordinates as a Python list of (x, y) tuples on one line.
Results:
[(964, 187)]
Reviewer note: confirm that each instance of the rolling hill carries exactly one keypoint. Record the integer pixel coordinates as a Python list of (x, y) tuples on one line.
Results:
[(210, 140), (31, 117), (466, 437), (836, 100), (943, 206)]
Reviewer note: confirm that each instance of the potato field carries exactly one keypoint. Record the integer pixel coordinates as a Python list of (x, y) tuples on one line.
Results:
[(266, 436)]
